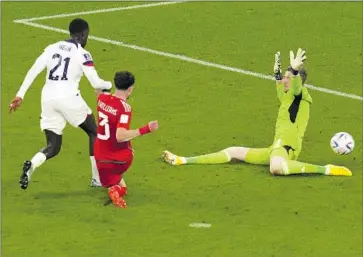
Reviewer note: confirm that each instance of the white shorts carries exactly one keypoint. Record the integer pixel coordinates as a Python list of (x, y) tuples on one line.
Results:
[(57, 112)]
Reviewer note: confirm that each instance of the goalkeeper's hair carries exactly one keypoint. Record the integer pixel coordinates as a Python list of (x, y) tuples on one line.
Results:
[(123, 80), (78, 26), (303, 74)]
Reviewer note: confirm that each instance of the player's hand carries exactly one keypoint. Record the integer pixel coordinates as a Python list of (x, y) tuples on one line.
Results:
[(297, 61), (277, 67), (153, 125), (15, 104)]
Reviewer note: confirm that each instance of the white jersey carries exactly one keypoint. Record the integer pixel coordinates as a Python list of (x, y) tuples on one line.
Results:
[(66, 61)]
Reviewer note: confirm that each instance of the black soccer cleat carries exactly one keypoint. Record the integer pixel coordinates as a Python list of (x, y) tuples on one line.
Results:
[(24, 179)]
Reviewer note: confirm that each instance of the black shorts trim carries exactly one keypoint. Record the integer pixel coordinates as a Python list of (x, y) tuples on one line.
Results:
[(288, 148)]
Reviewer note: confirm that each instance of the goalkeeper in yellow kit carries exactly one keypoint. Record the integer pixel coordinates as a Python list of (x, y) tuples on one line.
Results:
[(292, 120)]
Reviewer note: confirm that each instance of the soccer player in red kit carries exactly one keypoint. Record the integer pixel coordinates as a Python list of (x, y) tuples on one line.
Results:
[(112, 150)]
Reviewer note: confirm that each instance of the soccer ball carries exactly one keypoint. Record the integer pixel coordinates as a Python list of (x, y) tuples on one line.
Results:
[(342, 143)]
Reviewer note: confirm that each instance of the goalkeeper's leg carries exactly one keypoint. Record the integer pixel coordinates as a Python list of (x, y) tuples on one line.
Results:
[(249, 155), (280, 164)]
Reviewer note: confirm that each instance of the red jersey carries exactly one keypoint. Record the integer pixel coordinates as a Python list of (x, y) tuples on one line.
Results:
[(113, 113)]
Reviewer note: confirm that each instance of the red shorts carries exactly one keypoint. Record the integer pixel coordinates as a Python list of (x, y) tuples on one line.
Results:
[(111, 173)]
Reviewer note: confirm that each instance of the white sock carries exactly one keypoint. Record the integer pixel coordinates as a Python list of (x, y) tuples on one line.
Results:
[(327, 170), (37, 160), (95, 174), (122, 183), (183, 160)]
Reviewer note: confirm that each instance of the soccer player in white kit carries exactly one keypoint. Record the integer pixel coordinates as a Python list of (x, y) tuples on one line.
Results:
[(61, 102)]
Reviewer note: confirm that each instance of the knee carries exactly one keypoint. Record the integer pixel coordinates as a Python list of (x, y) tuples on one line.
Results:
[(91, 130), (276, 166), (53, 150), (237, 152), (92, 133), (275, 170), (89, 126)]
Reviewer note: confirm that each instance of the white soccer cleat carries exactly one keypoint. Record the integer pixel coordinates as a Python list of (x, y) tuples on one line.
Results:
[(95, 183), (172, 158)]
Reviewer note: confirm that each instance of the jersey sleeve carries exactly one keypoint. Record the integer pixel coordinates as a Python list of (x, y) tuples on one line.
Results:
[(89, 70), (296, 85), (38, 66), (87, 59), (280, 90), (125, 116), (124, 120)]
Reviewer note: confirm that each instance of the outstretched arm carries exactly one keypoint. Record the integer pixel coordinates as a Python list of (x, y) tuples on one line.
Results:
[(94, 79), (296, 84), (89, 70), (296, 63), (278, 76), (33, 72), (123, 134)]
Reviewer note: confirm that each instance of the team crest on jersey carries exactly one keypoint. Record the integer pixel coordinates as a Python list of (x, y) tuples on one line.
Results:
[(89, 61), (87, 57), (124, 118)]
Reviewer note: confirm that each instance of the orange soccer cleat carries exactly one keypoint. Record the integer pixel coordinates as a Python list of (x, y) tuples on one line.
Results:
[(117, 200)]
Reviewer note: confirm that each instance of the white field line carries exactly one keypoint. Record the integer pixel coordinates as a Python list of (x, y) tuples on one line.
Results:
[(191, 60), (200, 225), (96, 11)]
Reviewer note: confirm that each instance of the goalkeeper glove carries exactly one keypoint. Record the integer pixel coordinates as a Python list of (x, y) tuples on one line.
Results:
[(297, 61), (277, 67)]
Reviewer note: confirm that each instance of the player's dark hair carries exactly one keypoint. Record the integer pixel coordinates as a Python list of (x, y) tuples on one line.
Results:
[(303, 74), (123, 80), (78, 26)]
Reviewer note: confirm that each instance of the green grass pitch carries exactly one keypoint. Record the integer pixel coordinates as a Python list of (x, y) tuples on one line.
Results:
[(200, 109)]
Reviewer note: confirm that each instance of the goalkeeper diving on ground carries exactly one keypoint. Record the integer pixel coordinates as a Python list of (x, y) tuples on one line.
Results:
[(291, 123)]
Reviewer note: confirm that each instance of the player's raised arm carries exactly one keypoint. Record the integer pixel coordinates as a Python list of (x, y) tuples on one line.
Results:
[(92, 75), (277, 68), (33, 72), (123, 134), (278, 76), (296, 63)]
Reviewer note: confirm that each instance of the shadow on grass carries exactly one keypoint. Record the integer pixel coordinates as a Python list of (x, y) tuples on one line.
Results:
[(91, 194)]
